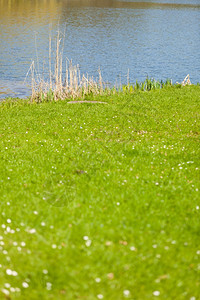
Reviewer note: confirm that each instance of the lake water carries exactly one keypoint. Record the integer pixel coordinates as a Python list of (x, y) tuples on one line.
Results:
[(159, 38)]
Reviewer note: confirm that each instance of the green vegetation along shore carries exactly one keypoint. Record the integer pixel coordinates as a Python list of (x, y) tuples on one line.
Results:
[(101, 201)]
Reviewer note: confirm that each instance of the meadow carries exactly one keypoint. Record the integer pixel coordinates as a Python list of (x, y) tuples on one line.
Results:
[(101, 200)]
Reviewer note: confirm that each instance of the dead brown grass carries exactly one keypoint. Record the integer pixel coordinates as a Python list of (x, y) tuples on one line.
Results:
[(67, 84)]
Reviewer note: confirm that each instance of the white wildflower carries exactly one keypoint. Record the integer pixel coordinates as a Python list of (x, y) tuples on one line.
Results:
[(49, 285), (156, 293), (8, 229), (5, 292), (9, 272), (132, 248), (126, 293), (88, 243), (25, 285)]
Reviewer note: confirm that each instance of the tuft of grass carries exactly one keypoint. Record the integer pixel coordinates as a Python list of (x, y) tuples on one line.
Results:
[(101, 201)]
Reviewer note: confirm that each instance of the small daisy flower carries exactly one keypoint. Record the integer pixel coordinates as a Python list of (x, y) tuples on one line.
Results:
[(132, 248), (9, 272), (49, 286), (88, 243), (25, 285), (156, 293), (126, 293), (5, 292)]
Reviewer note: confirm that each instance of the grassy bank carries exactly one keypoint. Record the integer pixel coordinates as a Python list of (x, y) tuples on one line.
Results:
[(101, 201)]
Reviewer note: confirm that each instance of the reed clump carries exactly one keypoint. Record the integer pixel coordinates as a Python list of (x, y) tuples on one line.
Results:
[(63, 84), (68, 83)]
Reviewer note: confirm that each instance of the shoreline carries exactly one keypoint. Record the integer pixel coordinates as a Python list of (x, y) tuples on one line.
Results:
[(146, 86)]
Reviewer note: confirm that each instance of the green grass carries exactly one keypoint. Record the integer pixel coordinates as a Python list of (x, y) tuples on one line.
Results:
[(112, 191)]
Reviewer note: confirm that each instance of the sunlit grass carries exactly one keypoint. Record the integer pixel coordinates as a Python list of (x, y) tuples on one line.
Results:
[(101, 201)]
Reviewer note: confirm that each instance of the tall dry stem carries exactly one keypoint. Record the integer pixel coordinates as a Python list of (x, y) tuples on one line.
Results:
[(50, 73), (74, 85)]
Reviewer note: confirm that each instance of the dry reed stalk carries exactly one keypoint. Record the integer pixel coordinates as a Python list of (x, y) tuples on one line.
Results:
[(128, 80), (84, 85), (75, 85), (186, 81), (50, 74), (70, 76), (100, 81), (66, 77), (79, 74), (37, 57)]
